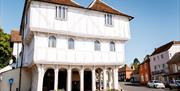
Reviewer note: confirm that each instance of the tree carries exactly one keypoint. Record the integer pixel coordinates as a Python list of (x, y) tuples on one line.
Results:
[(5, 49), (135, 64)]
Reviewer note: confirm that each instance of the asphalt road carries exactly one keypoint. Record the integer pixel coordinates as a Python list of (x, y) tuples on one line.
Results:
[(127, 86)]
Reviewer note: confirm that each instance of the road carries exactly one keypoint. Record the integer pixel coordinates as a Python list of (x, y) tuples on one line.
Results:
[(127, 86)]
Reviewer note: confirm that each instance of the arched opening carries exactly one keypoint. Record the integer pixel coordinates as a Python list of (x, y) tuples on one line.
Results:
[(87, 80), (62, 79), (48, 81), (99, 79), (75, 80)]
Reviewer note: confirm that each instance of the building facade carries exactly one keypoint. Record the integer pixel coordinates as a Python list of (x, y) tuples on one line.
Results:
[(144, 71), (125, 73), (159, 59), (70, 47), (174, 67)]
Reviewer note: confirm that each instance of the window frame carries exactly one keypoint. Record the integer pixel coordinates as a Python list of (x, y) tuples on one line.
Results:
[(154, 58), (71, 43), (63, 14), (112, 46), (52, 42), (109, 21), (97, 45), (162, 56)]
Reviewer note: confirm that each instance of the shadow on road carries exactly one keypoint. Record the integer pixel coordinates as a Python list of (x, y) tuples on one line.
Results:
[(132, 84)]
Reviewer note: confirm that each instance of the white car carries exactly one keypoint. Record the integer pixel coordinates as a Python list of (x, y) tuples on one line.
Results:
[(155, 84)]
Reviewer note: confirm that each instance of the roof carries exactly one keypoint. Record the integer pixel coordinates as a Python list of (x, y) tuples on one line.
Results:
[(146, 59), (15, 36), (125, 68), (175, 58), (164, 47), (62, 2), (99, 5)]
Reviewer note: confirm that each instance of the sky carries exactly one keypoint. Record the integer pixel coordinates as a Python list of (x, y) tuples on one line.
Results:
[(155, 23)]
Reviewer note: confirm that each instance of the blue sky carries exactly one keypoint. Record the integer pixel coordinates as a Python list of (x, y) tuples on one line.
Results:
[(156, 22)]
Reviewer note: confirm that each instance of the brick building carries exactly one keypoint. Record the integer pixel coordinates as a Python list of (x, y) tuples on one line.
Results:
[(144, 71), (125, 73)]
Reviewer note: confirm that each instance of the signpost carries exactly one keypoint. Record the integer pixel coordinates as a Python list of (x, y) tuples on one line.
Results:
[(11, 80)]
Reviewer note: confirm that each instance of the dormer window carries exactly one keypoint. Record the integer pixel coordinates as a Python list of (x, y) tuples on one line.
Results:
[(61, 12), (108, 19)]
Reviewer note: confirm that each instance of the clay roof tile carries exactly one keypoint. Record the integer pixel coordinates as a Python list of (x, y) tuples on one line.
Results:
[(62, 2), (99, 5), (164, 47), (15, 37)]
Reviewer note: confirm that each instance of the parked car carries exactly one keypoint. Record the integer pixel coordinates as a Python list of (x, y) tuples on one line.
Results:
[(155, 84), (174, 84)]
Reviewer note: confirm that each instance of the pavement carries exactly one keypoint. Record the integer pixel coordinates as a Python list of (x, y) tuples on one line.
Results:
[(127, 86)]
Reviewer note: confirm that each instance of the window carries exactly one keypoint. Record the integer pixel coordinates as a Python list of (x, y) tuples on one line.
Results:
[(158, 57), (112, 46), (154, 58), (178, 68), (97, 46), (163, 66), (170, 55), (108, 19), (162, 56), (70, 43), (52, 41), (155, 67), (142, 77), (61, 12), (175, 68)]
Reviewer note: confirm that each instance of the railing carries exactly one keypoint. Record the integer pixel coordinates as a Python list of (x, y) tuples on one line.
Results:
[(159, 72)]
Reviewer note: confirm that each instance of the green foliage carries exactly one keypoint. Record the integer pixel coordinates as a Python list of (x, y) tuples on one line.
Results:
[(5, 50), (135, 64)]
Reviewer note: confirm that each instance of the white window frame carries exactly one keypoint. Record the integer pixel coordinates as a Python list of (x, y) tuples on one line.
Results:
[(109, 19), (52, 41), (112, 46), (71, 43), (97, 45), (61, 12)]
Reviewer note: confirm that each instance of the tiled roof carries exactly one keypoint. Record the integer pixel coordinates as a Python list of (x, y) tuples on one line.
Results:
[(62, 2), (99, 5), (175, 58), (15, 37), (164, 47), (125, 68)]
